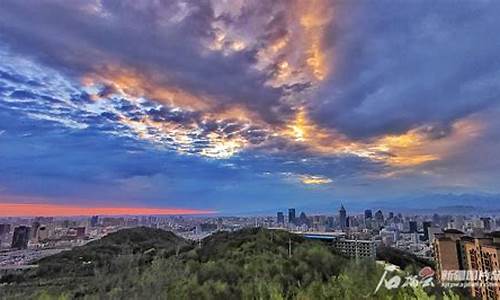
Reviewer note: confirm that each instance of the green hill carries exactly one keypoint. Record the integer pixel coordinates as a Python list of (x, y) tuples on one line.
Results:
[(76, 269), (140, 242), (248, 264)]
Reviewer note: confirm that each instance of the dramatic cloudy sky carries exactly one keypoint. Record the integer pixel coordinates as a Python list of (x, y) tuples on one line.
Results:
[(239, 106)]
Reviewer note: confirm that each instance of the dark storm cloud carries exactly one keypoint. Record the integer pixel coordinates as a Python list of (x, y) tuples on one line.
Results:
[(164, 38), (399, 65)]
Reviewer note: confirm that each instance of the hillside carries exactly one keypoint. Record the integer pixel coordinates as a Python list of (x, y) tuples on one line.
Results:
[(248, 264), (402, 259), (98, 254), (76, 268)]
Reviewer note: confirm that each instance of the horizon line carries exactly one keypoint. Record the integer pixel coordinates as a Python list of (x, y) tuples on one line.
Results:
[(64, 210)]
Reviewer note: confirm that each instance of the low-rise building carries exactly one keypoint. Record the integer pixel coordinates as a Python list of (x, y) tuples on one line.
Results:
[(356, 248)]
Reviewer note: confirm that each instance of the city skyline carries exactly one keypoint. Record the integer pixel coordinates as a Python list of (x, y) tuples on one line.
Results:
[(226, 107)]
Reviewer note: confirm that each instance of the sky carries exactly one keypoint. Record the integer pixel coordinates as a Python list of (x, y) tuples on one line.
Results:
[(244, 106)]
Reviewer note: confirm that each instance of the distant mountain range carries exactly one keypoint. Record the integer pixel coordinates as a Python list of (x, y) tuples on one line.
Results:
[(450, 203), (442, 203)]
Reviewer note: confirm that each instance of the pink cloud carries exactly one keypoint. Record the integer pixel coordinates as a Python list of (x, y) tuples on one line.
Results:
[(55, 210)]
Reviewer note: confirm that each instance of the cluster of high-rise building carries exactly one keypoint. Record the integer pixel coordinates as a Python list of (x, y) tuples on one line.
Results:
[(411, 233), (367, 222)]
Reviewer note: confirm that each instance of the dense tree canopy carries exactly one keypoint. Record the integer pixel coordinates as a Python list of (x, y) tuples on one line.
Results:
[(143, 263)]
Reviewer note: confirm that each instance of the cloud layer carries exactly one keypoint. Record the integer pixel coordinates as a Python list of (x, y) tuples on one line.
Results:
[(316, 96)]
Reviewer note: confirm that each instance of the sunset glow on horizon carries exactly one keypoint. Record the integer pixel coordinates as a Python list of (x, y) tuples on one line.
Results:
[(59, 210)]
